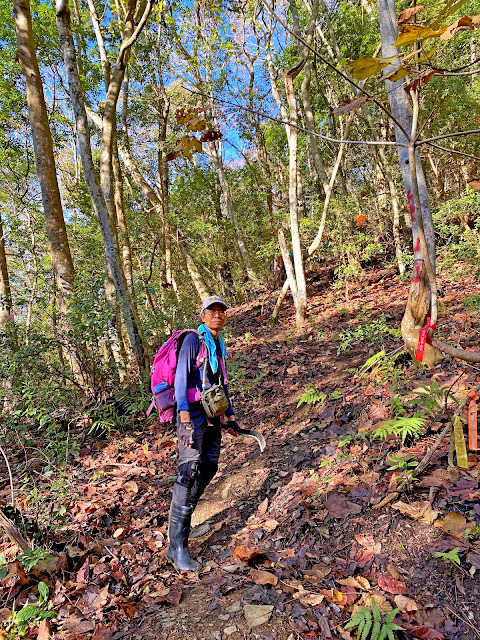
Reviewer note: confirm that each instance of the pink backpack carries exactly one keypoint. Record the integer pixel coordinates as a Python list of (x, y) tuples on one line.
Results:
[(163, 374)]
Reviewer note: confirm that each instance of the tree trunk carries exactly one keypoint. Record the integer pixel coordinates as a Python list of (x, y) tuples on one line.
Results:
[(419, 304), (194, 273), (217, 161), (6, 306), (44, 158), (62, 263), (97, 195)]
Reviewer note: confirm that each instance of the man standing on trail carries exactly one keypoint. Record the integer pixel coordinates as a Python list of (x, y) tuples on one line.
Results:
[(199, 436)]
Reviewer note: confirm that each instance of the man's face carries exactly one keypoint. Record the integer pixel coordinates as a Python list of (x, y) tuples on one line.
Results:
[(214, 317)]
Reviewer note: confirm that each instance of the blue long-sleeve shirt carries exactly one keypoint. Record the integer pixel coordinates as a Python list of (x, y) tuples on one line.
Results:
[(187, 377)]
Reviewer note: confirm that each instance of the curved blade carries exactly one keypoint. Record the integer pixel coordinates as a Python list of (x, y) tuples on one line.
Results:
[(249, 433)]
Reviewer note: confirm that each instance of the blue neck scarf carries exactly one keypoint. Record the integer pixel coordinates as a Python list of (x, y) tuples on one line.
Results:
[(212, 348)]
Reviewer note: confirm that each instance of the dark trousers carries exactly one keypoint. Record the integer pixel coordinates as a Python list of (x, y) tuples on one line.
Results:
[(199, 464)]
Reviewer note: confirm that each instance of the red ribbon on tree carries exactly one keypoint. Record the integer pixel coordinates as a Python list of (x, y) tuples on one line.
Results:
[(472, 422), (424, 339)]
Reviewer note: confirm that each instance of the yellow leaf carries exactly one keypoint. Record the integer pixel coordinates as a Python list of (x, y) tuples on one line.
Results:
[(401, 72), (368, 66), (413, 32), (454, 524)]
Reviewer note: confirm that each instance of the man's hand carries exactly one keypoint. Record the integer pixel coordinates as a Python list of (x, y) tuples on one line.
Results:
[(232, 427), (185, 434)]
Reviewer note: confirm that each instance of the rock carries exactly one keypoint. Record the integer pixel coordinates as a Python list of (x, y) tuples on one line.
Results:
[(234, 608), (229, 630), (257, 614), (224, 617)]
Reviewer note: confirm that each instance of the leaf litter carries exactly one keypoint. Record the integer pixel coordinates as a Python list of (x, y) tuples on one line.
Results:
[(293, 545)]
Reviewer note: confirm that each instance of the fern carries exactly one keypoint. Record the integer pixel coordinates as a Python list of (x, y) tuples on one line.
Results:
[(311, 396), (370, 625), (403, 427), (450, 556)]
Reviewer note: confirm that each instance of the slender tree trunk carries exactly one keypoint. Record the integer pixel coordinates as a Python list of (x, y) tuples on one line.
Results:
[(62, 263), (194, 273), (97, 194), (6, 306), (217, 161), (44, 158), (121, 220), (419, 304), (7, 328)]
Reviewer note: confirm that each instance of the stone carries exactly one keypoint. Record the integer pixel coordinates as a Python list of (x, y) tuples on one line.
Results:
[(229, 630), (257, 614)]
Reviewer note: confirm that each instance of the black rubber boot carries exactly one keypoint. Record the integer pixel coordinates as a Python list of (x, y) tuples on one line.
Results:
[(178, 531)]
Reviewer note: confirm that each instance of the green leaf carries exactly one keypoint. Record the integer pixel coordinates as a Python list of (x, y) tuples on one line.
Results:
[(27, 613), (43, 590)]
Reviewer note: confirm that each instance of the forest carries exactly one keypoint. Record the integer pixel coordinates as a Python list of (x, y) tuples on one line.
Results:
[(316, 164)]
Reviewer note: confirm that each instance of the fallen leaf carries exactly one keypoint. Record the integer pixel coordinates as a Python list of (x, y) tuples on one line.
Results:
[(131, 487), (334, 596), (390, 585), (311, 599), (425, 633), (257, 614), (454, 524), (287, 553), (474, 184), (405, 604), (118, 533), (420, 510), (263, 577), (382, 603), (101, 633), (358, 582), (76, 625), (263, 506), (44, 630), (83, 572), (474, 559)]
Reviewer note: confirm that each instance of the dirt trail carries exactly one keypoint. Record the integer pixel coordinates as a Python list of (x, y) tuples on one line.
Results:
[(289, 539)]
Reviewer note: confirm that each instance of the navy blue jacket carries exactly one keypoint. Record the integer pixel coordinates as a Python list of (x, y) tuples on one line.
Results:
[(187, 377)]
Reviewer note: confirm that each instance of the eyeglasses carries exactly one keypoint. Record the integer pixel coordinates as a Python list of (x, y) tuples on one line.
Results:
[(221, 312)]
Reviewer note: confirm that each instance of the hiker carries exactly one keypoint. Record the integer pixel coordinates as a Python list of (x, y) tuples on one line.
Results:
[(199, 436)]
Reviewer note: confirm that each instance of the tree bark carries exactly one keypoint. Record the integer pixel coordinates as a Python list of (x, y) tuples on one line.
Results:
[(419, 304), (6, 305), (194, 273), (44, 158), (96, 194)]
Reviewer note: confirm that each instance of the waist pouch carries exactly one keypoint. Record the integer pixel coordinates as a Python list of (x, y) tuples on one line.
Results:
[(214, 400)]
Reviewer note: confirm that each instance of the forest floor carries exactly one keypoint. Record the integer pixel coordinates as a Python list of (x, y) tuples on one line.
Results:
[(290, 540)]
